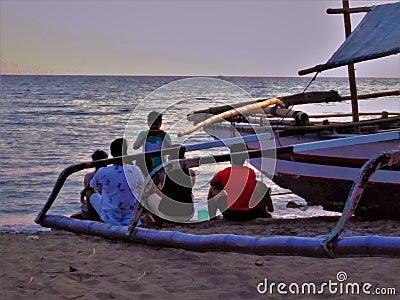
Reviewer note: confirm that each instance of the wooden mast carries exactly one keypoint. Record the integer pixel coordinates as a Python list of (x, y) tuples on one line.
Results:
[(350, 68)]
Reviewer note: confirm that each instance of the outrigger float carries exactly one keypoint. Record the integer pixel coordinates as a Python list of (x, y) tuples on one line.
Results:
[(378, 166)]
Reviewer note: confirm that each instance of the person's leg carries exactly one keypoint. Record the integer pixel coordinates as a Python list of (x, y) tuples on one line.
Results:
[(78, 215), (92, 209), (245, 215), (263, 209), (260, 212), (261, 197), (152, 204)]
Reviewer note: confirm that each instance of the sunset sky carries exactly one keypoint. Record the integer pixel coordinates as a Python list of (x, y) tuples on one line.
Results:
[(176, 37)]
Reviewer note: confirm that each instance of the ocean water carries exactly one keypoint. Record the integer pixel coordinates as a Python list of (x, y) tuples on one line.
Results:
[(51, 122)]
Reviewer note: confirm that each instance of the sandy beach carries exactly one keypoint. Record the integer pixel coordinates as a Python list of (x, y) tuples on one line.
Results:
[(64, 265)]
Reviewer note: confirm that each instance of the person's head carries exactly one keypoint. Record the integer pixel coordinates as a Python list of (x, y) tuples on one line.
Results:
[(119, 147), (236, 158), (154, 120), (99, 154)]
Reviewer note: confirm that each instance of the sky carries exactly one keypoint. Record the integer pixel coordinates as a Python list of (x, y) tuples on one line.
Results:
[(176, 37)]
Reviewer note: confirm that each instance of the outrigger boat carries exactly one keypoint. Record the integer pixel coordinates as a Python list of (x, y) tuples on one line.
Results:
[(382, 167), (332, 245), (324, 176)]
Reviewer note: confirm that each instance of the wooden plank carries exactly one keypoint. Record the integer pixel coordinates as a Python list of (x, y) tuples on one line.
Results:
[(333, 11), (296, 99), (314, 69), (311, 97), (292, 130), (375, 95), (349, 115)]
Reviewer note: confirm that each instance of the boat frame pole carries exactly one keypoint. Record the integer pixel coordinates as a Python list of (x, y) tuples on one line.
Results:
[(350, 68)]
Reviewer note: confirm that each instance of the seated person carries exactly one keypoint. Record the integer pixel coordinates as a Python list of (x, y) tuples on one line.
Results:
[(177, 198), (153, 139), (120, 185), (88, 212), (244, 198), (172, 197)]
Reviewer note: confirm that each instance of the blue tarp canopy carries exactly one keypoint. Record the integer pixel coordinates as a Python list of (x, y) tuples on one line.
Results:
[(377, 35)]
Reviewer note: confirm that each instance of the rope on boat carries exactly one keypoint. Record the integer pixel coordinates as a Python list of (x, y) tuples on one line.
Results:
[(290, 108), (311, 81)]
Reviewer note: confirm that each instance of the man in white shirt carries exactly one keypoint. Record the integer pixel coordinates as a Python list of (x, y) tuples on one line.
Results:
[(120, 185)]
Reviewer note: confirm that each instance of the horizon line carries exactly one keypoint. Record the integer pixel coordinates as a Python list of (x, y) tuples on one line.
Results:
[(174, 75)]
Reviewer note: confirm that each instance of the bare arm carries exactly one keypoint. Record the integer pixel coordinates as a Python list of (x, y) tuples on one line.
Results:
[(139, 141), (192, 177), (83, 193), (86, 185)]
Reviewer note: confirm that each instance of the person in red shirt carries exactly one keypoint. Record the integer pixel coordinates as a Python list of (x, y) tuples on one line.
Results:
[(236, 192)]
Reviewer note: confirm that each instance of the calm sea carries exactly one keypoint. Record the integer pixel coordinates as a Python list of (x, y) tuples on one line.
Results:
[(51, 122)]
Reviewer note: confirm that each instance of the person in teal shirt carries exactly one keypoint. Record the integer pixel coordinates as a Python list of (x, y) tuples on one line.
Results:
[(153, 139)]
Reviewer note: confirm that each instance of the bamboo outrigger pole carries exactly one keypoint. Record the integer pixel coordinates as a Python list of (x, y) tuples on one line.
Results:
[(232, 113)]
